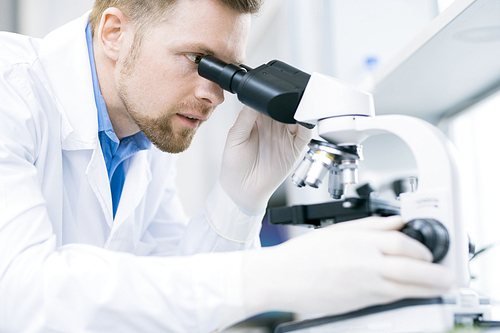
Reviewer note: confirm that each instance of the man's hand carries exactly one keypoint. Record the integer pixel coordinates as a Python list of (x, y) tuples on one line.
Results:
[(341, 268), (259, 154)]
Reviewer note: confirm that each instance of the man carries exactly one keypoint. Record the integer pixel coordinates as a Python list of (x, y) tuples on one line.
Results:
[(92, 234)]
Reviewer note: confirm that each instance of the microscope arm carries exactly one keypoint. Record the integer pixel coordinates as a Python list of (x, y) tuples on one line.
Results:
[(438, 195)]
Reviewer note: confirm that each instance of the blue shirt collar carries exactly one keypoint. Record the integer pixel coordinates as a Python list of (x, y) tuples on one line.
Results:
[(102, 113)]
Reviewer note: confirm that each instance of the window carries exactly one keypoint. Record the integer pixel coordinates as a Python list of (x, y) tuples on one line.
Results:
[(476, 134)]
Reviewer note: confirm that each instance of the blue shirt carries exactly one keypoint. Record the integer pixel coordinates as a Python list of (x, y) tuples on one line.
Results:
[(115, 151)]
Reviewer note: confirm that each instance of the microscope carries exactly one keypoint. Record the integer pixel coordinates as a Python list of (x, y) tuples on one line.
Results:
[(345, 117)]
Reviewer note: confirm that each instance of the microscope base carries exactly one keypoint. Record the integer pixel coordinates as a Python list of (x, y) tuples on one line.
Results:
[(437, 315)]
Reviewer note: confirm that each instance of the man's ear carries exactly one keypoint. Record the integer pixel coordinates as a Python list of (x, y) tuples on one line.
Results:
[(111, 33)]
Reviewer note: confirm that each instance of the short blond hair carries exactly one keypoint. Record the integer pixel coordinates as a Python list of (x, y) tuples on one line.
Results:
[(145, 13)]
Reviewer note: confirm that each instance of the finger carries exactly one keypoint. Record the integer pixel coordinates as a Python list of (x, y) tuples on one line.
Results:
[(243, 125), (374, 223), (396, 243), (416, 273), (302, 136)]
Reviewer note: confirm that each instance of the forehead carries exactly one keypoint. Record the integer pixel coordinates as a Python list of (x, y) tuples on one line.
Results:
[(207, 27)]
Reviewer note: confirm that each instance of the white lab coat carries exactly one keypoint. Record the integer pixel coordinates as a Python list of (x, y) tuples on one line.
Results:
[(65, 265)]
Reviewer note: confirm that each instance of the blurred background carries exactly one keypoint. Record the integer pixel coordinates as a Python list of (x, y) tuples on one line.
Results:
[(358, 41)]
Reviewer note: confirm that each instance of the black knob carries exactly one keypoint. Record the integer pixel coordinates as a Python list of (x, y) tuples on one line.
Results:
[(431, 233)]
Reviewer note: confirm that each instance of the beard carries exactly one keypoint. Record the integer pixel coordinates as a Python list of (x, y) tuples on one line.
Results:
[(160, 130)]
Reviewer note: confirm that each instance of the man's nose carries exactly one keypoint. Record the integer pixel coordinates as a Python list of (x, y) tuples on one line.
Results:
[(209, 93)]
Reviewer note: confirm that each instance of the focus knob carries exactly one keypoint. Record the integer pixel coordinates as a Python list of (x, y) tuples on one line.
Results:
[(431, 233)]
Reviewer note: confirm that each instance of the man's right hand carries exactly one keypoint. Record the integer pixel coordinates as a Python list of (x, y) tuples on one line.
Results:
[(342, 268)]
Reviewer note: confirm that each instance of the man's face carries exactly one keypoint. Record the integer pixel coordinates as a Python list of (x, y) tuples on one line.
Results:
[(161, 89)]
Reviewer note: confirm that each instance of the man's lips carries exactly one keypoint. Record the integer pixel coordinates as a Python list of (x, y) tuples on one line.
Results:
[(193, 116), (190, 120)]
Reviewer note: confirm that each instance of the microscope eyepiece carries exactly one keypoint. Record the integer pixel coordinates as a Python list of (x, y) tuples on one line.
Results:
[(274, 89), (227, 76)]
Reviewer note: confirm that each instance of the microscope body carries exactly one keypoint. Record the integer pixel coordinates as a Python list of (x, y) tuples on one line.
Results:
[(438, 197)]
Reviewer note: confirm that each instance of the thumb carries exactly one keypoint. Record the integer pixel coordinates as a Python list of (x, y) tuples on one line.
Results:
[(243, 125), (373, 223), (302, 136)]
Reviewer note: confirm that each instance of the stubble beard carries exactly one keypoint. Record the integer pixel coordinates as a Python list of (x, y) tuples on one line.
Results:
[(160, 131)]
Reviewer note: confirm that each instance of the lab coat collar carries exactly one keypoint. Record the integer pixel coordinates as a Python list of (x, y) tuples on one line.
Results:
[(64, 56)]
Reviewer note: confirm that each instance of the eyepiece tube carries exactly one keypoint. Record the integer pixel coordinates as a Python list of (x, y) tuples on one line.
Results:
[(210, 68), (227, 76), (273, 89)]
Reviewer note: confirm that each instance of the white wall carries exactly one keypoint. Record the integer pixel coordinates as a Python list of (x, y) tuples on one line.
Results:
[(8, 15), (39, 17)]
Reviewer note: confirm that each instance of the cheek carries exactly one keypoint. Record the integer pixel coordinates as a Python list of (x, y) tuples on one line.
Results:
[(182, 69), (151, 80), (160, 83), (172, 72)]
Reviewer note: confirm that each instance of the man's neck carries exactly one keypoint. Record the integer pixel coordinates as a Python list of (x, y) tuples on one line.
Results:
[(123, 124)]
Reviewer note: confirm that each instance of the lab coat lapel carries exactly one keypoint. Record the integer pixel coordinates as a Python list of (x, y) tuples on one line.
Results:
[(64, 55), (134, 189), (97, 176)]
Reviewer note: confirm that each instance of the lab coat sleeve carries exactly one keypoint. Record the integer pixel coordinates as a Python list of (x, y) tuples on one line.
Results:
[(81, 288), (221, 226)]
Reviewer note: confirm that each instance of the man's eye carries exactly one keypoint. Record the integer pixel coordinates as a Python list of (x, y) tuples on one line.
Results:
[(196, 58)]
